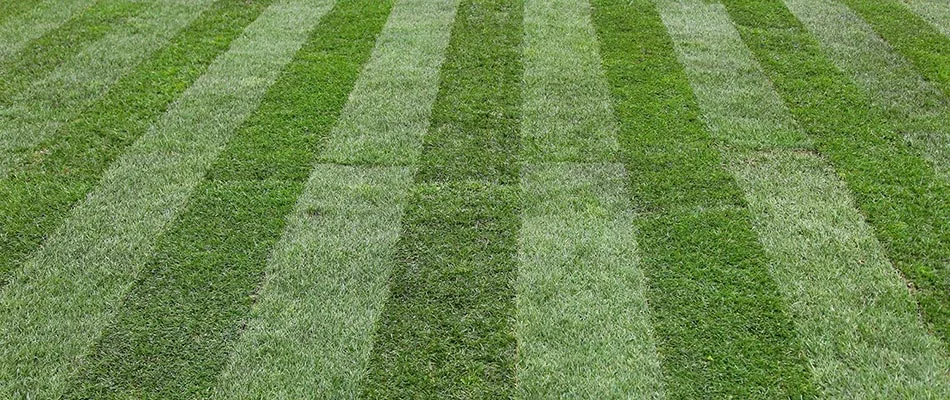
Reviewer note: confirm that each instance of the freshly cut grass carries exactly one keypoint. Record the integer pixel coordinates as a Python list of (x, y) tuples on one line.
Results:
[(916, 39), (937, 12), (719, 319), (916, 108), (386, 118), (36, 197), (10, 9), (906, 204), (583, 323), (36, 113), (204, 276), (54, 308), (46, 52), (857, 320), (446, 330), (17, 32), (567, 114), (326, 281), (310, 333), (475, 129)]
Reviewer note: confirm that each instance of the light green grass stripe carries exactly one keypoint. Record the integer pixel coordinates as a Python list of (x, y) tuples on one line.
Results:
[(583, 323), (937, 12), (326, 281), (854, 314), (17, 32), (388, 111), (310, 335), (54, 307), (918, 109), (563, 82), (35, 114)]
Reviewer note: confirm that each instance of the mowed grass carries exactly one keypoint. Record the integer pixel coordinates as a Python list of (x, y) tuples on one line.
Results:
[(857, 320), (46, 52), (327, 279), (207, 268), (446, 329), (583, 323), (917, 109), (721, 326), (937, 12), (903, 199), (36, 196), (38, 111), (33, 21), (57, 304), (921, 42)]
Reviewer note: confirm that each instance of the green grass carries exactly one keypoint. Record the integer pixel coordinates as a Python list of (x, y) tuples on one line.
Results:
[(721, 326), (42, 55), (36, 197), (917, 109), (32, 23), (447, 329), (914, 38), (897, 191), (12, 9), (36, 113), (937, 12), (67, 292), (583, 325), (327, 279), (206, 269), (857, 320)]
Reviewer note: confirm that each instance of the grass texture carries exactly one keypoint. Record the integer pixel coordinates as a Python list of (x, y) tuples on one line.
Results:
[(17, 32), (447, 327), (914, 38), (54, 308), (36, 197), (857, 320), (917, 109), (721, 326), (583, 324), (206, 293), (903, 200), (937, 12), (37, 112), (327, 279)]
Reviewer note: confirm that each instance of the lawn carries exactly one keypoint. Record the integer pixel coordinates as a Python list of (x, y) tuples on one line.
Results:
[(463, 199)]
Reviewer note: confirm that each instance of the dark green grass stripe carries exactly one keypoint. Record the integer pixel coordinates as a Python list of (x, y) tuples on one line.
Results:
[(721, 326), (47, 52), (474, 133), (447, 329), (906, 204), (36, 197), (178, 323), (912, 36)]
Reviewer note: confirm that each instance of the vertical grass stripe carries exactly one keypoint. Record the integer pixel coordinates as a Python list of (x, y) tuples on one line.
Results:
[(44, 54), (914, 38), (206, 269), (721, 326), (36, 113), (16, 32), (35, 198), (917, 109), (56, 305), (583, 325), (937, 12), (583, 322), (326, 280), (567, 114), (906, 204), (446, 330), (856, 318)]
